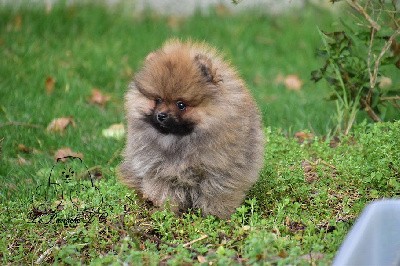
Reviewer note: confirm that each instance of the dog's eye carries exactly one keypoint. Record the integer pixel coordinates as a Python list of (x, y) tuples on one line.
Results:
[(158, 101), (181, 105)]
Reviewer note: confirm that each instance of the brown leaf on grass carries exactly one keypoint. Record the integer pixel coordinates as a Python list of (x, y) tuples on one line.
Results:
[(49, 85), (294, 226), (291, 82), (334, 142), (17, 23), (303, 136), (24, 149), (201, 259), (98, 98), (310, 174), (22, 160), (283, 254), (66, 152), (60, 124), (28, 150)]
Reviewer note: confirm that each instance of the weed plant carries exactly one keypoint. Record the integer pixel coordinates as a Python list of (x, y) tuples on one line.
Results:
[(362, 62)]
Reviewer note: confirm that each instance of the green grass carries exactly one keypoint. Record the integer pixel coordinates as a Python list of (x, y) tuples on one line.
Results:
[(308, 194)]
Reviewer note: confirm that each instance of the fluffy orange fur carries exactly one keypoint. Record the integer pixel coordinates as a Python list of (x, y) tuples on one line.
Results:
[(194, 132)]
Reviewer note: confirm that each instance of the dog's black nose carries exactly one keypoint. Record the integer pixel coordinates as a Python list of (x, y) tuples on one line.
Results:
[(161, 117)]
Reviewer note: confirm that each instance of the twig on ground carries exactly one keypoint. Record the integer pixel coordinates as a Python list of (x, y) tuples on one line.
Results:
[(45, 254), (369, 58), (385, 48), (194, 241), (354, 4), (56, 245), (393, 98)]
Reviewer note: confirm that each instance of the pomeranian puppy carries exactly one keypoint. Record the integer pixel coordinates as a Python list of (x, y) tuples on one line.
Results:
[(194, 136)]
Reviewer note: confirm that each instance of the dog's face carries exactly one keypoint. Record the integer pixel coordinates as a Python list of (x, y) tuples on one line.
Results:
[(176, 90), (168, 117)]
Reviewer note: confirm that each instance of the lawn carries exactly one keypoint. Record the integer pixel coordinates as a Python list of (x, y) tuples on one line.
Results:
[(74, 62)]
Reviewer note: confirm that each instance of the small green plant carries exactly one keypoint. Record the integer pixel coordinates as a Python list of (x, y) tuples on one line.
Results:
[(361, 61)]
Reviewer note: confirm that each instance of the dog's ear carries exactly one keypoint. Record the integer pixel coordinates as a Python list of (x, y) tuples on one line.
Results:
[(206, 68)]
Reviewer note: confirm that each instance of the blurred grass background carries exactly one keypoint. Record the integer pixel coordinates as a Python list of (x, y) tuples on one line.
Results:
[(91, 47), (86, 47)]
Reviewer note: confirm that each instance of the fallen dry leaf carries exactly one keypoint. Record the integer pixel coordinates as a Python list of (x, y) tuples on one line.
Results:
[(201, 259), (303, 136), (66, 152), (334, 142), (17, 22), (99, 98), (310, 174), (294, 226), (49, 85), (60, 124), (246, 228), (283, 254), (116, 131), (291, 82), (22, 160), (24, 149)]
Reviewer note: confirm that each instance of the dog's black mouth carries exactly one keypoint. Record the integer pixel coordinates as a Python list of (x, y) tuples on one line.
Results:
[(170, 126)]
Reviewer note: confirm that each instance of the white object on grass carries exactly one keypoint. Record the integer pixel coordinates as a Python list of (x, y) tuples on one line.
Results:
[(374, 238)]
